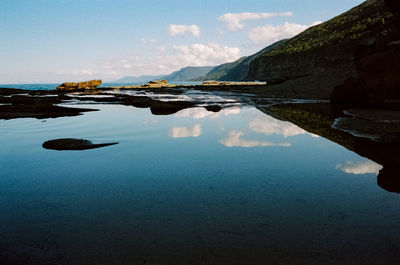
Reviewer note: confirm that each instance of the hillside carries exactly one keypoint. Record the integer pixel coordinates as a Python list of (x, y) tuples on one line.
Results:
[(219, 71), (320, 58), (330, 44), (237, 70), (188, 73)]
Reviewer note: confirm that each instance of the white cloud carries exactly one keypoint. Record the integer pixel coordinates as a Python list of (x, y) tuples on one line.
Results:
[(269, 34), (86, 72), (268, 125), (202, 55), (286, 14), (161, 49), (200, 113), (147, 40), (234, 140), (184, 132), (162, 60), (360, 168), (174, 30), (233, 20)]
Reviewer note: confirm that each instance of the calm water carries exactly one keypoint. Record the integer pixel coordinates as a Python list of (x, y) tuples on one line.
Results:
[(195, 187)]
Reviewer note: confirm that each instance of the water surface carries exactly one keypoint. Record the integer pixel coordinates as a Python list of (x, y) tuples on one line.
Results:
[(196, 187)]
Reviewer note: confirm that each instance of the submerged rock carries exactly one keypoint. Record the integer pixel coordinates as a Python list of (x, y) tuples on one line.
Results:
[(92, 84), (72, 144)]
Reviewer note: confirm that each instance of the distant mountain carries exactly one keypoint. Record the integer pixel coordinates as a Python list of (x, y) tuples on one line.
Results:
[(188, 74), (312, 63), (138, 79), (182, 75), (219, 72), (237, 70)]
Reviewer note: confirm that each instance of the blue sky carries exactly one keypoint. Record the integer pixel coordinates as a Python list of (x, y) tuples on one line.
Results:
[(46, 41)]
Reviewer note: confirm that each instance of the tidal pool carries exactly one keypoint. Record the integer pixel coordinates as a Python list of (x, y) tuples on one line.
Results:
[(196, 187)]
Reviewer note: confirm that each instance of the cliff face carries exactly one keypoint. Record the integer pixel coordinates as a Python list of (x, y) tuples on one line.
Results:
[(324, 51), (377, 80)]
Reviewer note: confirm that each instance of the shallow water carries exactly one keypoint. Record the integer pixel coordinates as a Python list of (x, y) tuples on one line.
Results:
[(196, 187)]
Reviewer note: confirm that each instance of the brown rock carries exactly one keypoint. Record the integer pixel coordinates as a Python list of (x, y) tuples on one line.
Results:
[(157, 83), (93, 84)]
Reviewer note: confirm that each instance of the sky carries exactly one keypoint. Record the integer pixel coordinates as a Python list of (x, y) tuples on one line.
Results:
[(49, 41)]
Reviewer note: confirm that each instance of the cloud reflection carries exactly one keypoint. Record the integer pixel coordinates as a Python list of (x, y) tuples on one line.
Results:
[(201, 113), (184, 132), (269, 126), (360, 168), (234, 140)]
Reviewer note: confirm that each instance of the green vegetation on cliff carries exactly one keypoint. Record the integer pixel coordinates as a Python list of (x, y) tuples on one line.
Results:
[(327, 47), (371, 17)]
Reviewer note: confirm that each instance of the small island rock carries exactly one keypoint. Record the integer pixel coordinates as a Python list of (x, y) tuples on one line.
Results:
[(157, 83), (92, 84)]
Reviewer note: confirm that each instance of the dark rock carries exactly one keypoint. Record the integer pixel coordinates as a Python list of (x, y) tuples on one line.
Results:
[(389, 178), (394, 6), (10, 91), (213, 108), (72, 144), (378, 78), (170, 107), (350, 92), (32, 100), (39, 107), (93, 84), (138, 101)]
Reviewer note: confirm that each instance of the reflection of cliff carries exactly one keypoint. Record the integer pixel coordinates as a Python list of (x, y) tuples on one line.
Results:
[(318, 119), (314, 118)]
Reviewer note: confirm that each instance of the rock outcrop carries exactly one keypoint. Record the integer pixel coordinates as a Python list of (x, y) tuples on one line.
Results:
[(92, 84)]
